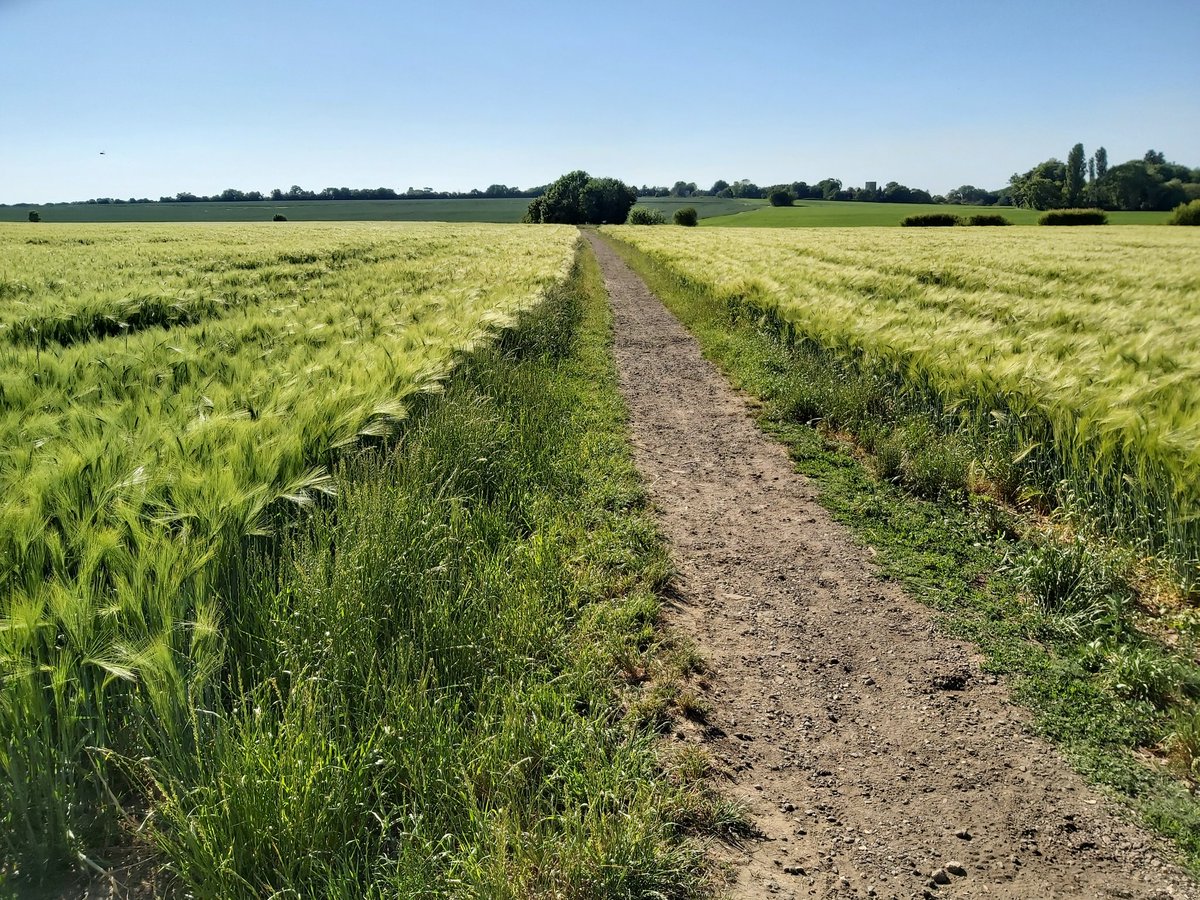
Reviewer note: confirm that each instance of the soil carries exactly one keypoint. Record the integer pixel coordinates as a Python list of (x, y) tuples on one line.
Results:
[(871, 752)]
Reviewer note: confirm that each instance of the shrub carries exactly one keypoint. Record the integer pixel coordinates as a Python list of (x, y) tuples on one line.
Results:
[(687, 216), (1185, 214), (780, 198), (34, 217), (279, 217), (1074, 217), (930, 220), (645, 215), (986, 219)]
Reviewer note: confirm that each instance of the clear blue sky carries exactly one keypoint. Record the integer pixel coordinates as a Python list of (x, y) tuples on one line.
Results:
[(209, 94)]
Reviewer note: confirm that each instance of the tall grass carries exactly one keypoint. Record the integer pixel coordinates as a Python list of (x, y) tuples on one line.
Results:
[(433, 710), (137, 472), (1075, 351)]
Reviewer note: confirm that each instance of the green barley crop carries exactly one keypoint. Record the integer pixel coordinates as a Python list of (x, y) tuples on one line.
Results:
[(167, 393), (1079, 350)]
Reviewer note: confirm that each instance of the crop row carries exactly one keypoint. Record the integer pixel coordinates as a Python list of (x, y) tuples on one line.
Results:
[(1081, 352), (53, 292)]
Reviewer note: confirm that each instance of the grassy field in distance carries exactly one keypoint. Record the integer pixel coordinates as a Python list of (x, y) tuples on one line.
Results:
[(499, 210), (843, 214)]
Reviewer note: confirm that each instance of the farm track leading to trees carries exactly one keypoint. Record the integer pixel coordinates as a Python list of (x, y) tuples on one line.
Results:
[(868, 748)]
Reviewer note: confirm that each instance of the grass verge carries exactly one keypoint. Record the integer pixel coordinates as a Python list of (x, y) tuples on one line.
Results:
[(427, 686), (1056, 609)]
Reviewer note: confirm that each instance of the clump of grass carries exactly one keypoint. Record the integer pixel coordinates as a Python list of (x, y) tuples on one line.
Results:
[(1066, 576), (1140, 671), (1183, 743)]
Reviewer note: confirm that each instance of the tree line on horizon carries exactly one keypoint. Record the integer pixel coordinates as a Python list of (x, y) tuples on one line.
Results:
[(1149, 183)]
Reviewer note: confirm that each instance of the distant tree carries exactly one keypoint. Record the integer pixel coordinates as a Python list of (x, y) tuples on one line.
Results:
[(687, 216), (607, 200), (970, 195), (276, 194), (1154, 158), (746, 189), (1101, 158), (895, 192), (1041, 187), (829, 187), (780, 197), (719, 185), (279, 217), (683, 189), (34, 216), (576, 198), (563, 201), (1042, 193), (1075, 177), (536, 212)]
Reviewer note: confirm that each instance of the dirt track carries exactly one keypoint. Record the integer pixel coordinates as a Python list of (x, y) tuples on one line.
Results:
[(868, 748)]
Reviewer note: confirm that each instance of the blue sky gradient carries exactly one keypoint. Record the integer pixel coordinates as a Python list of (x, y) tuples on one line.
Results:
[(453, 95)]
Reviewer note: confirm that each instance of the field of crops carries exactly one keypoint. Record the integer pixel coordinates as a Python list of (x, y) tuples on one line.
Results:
[(850, 214), (505, 210), (169, 396), (1079, 352)]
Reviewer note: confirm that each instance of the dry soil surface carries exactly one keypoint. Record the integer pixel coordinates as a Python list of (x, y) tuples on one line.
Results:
[(869, 749)]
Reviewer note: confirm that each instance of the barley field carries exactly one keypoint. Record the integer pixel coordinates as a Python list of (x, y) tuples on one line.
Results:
[(1078, 351), (170, 396)]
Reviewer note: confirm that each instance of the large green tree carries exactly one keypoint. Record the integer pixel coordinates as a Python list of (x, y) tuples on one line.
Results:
[(577, 199)]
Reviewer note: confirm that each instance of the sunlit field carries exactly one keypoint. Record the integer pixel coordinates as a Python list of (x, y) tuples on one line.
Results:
[(1079, 351)]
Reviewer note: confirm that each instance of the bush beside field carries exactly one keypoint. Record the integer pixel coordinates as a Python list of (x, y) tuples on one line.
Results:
[(930, 220), (1186, 214), (645, 215), (1074, 217)]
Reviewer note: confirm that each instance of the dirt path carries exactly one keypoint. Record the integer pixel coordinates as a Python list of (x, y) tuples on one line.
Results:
[(868, 748)]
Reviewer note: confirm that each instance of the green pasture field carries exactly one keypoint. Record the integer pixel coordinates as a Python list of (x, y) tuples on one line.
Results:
[(497, 210), (706, 207), (848, 214)]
